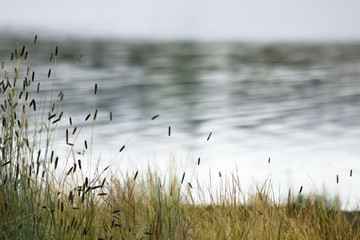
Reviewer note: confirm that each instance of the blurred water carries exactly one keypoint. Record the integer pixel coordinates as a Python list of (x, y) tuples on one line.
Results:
[(296, 103)]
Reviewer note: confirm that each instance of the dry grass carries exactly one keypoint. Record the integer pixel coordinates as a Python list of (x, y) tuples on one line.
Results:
[(41, 200)]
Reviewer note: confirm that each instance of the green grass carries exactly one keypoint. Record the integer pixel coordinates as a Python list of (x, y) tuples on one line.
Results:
[(46, 194)]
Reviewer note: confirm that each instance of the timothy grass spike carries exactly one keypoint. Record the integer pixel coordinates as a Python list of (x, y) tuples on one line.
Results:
[(22, 51), (122, 148), (183, 177), (95, 114), (209, 136), (136, 174), (154, 117)]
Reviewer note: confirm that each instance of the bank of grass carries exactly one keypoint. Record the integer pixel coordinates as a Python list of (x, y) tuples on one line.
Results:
[(46, 194)]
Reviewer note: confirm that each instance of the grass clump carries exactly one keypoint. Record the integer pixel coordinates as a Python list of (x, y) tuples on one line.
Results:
[(49, 195)]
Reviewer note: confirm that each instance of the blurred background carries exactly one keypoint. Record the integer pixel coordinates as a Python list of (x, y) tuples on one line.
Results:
[(270, 79)]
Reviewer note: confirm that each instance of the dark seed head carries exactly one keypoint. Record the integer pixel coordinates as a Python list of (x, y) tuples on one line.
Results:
[(95, 114), (51, 56), (79, 163), (103, 182), (55, 121), (122, 148), (182, 179), (56, 162), (87, 190), (209, 136), (154, 117), (6, 163), (22, 51), (33, 104), (38, 157), (52, 116)]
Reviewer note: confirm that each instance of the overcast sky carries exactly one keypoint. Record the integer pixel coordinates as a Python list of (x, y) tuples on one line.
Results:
[(262, 20)]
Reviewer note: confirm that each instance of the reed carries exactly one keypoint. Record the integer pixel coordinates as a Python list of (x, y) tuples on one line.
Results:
[(45, 194)]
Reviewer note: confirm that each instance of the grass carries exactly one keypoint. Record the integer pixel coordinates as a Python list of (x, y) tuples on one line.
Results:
[(45, 194)]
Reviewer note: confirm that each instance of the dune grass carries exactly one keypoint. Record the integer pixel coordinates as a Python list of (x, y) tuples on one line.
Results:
[(45, 194)]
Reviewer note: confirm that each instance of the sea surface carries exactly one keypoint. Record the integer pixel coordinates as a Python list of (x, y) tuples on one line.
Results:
[(288, 112)]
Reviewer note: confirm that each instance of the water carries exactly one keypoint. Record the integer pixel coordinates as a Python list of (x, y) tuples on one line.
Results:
[(298, 104)]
